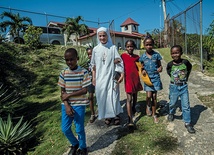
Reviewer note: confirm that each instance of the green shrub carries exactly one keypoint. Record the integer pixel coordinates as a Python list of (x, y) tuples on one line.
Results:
[(209, 66), (83, 58), (31, 37), (13, 138)]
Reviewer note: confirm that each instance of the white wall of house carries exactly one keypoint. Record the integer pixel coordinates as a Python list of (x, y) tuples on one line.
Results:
[(120, 41), (72, 39), (129, 28), (92, 41)]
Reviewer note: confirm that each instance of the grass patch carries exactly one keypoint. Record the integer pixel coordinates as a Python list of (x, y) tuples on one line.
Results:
[(149, 138), (165, 53)]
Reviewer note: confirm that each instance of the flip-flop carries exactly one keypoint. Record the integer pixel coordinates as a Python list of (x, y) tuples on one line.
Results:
[(117, 120), (92, 118), (108, 121), (148, 111), (156, 119)]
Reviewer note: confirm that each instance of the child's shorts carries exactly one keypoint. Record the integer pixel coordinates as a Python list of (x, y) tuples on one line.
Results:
[(91, 88)]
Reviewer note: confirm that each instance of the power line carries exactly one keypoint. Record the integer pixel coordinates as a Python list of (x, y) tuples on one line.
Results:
[(128, 13), (46, 14)]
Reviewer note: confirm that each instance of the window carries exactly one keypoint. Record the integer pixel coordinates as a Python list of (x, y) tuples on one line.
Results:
[(44, 29), (126, 27), (54, 30)]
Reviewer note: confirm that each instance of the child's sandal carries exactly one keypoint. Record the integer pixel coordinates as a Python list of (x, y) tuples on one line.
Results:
[(92, 118), (117, 120), (156, 119), (148, 111), (108, 121)]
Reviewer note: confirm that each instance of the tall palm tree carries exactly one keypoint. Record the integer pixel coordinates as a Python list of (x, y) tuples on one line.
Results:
[(15, 24), (73, 26)]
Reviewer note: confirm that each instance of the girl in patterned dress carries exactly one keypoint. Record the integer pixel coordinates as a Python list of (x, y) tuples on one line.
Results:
[(151, 62)]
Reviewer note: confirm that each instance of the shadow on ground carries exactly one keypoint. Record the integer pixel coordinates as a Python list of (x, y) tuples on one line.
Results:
[(116, 132), (196, 112)]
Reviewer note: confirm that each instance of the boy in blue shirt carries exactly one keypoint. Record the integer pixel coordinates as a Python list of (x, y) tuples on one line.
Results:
[(74, 81), (179, 70)]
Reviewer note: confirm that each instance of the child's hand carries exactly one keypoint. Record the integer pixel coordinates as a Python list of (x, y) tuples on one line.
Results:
[(69, 111), (64, 96), (117, 60), (121, 78), (160, 69), (94, 82), (143, 72)]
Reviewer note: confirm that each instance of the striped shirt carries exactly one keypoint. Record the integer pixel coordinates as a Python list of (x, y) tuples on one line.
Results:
[(74, 80)]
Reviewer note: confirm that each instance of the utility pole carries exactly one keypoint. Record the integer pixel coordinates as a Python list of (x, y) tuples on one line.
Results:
[(201, 49), (165, 22), (164, 9)]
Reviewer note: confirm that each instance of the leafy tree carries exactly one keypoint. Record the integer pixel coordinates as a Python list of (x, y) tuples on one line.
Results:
[(177, 31), (208, 42), (1, 36), (32, 35), (193, 43), (73, 26), (15, 24), (159, 40)]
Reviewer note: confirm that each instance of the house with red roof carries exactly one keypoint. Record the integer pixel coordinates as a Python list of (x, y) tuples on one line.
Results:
[(129, 31)]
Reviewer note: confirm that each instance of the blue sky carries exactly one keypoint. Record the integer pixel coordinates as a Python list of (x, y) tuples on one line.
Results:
[(148, 13)]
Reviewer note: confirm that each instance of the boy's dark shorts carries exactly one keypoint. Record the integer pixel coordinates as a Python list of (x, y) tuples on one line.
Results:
[(91, 88)]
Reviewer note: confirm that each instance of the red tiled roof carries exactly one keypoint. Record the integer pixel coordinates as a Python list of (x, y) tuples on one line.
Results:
[(89, 35), (129, 21), (52, 23), (118, 34)]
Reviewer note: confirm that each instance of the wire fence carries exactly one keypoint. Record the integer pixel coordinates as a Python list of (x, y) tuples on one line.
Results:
[(185, 29)]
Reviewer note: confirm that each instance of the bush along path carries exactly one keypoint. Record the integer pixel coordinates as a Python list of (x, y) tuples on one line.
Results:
[(101, 139)]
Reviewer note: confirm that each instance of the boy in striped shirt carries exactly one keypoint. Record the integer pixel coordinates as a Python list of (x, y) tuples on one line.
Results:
[(74, 81)]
